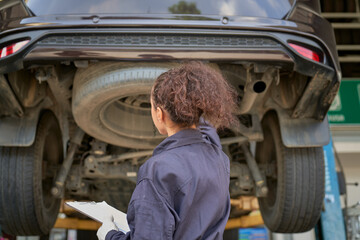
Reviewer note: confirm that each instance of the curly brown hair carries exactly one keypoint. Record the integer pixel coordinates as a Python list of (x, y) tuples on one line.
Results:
[(193, 90)]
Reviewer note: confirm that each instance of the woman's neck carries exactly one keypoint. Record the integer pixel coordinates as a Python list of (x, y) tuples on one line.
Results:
[(172, 130)]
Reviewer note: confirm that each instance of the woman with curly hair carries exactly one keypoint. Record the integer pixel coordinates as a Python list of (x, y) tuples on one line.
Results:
[(182, 191)]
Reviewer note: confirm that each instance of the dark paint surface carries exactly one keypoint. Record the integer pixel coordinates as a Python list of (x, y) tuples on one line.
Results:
[(253, 8), (301, 17)]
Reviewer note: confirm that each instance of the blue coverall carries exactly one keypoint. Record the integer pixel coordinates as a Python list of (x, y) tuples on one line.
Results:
[(182, 191)]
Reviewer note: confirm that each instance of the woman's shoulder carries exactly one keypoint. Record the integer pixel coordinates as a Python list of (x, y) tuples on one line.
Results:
[(164, 163), (166, 172)]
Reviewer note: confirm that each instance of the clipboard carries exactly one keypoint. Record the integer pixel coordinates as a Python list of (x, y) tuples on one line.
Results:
[(99, 211)]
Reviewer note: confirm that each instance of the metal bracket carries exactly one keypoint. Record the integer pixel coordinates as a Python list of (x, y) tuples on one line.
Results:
[(59, 90), (253, 133)]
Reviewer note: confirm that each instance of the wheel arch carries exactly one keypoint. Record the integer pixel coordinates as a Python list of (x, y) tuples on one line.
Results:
[(301, 132)]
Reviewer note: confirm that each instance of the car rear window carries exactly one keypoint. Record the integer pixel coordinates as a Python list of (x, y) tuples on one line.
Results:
[(250, 8)]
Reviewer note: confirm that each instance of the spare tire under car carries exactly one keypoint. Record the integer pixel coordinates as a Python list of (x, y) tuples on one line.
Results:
[(111, 101)]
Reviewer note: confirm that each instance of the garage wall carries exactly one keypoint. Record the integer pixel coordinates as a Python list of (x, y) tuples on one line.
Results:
[(347, 145), (351, 165)]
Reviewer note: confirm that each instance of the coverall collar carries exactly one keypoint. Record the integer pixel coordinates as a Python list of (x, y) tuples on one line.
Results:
[(181, 138)]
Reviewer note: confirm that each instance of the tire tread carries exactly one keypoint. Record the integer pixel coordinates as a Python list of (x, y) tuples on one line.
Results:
[(20, 170), (300, 185)]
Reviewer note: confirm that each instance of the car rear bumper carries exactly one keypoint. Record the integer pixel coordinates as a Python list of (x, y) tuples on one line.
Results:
[(155, 44)]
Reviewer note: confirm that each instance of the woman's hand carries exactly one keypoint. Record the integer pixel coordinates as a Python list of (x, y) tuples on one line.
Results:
[(107, 226)]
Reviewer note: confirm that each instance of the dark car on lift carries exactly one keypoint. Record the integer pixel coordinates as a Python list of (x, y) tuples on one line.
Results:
[(75, 121)]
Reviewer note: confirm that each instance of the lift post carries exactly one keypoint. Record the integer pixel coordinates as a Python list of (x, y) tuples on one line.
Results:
[(332, 219)]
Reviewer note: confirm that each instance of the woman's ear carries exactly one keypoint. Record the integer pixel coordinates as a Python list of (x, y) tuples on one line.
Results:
[(160, 115)]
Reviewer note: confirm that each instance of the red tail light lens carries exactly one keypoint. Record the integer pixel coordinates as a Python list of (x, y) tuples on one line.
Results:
[(305, 52), (12, 48)]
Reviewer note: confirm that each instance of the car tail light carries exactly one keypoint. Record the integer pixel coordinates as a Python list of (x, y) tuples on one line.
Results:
[(305, 52), (12, 48)]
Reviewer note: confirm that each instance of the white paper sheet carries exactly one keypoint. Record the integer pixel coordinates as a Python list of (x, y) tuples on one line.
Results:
[(100, 211)]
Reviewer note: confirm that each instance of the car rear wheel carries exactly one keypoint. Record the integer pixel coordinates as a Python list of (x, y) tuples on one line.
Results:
[(296, 187), (26, 177)]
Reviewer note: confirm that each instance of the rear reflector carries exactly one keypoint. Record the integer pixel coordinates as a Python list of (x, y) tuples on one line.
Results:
[(306, 52), (12, 48)]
